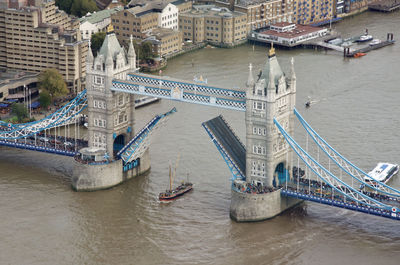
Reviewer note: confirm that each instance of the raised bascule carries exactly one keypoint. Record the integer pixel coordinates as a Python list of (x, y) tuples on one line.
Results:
[(271, 172)]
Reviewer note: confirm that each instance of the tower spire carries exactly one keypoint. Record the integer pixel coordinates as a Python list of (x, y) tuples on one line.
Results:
[(131, 54), (271, 81), (292, 73), (250, 79), (89, 57)]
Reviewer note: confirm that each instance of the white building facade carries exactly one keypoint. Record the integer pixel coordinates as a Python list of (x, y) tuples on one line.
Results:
[(168, 17), (95, 22)]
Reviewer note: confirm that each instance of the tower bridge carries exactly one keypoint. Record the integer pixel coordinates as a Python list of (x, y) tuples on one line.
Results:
[(271, 172)]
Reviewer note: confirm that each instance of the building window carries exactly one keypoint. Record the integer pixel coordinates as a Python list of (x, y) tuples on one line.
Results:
[(258, 169), (259, 150), (98, 80), (259, 105)]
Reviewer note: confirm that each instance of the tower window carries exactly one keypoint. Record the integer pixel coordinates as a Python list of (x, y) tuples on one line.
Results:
[(259, 105)]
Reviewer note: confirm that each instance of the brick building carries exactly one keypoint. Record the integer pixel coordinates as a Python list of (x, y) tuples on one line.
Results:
[(36, 36)]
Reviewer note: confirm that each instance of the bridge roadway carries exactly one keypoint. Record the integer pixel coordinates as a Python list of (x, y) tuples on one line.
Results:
[(312, 190), (228, 141), (184, 91), (48, 144)]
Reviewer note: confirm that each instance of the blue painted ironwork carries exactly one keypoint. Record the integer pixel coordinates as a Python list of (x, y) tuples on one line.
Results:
[(330, 179), (228, 102), (62, 116), (350, 169), (131, 165), (185, 85), (138, 145), (233, 167), (364, 209), (37, 148)]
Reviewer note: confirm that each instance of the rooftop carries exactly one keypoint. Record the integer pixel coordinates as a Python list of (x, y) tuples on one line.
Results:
[(298, 30), (246, 2), (15, 76), (162, 32), (98, 16), (212, 10)]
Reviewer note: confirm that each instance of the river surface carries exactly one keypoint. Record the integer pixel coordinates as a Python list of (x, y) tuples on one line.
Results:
[(44, 222)]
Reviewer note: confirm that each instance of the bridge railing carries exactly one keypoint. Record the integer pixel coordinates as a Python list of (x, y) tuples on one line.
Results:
[(63, 115), (136, 146), (349, 168), (326, 176)]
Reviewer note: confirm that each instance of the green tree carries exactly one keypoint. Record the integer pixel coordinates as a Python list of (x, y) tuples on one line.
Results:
[(44, 99), (146, 50), (80, 8), (52, 81), (96, 41), (64, 5), (19, 110)]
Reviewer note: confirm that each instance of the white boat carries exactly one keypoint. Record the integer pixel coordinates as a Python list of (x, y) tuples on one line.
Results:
[(375, 42), (364, 38), (143, 101), (383, 172)]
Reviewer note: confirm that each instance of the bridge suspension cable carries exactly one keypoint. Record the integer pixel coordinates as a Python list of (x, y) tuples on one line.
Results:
[(327, 177), (350, 169), (60, 117)]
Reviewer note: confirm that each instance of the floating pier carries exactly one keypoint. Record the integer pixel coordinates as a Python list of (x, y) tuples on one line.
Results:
[(347, 52)]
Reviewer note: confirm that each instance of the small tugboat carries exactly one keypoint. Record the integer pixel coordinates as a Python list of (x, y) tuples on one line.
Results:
[(174, 193)]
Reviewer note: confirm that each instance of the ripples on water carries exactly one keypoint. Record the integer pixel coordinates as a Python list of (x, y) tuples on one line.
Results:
[(45, 222)]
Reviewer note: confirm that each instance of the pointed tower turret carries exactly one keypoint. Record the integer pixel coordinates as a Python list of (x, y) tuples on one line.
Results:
[(89, 57), (271, 87), (250, 79), (292, 78), (131, 54)]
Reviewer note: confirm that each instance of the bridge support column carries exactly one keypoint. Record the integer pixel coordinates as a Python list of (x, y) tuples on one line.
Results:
[(97, 177), (247, 207)]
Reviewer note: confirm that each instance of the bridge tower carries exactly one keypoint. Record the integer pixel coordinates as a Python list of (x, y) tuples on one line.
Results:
[(111, 114), (268, 156), (111, 119), (272, 95)]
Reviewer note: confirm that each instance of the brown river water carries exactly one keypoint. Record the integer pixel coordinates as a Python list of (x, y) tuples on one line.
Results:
[(44, 222)]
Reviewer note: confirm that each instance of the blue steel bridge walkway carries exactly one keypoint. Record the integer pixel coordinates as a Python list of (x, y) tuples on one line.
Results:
[(331, 179), (231, 148), (45, 135), (180, 90)]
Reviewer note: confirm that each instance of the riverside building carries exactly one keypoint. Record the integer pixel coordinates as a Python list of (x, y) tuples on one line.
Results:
[(165, 41), (143, 16), (96, 22), (261, 13), (35, 35), (216, 25), (288, 34), (313, 11)]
